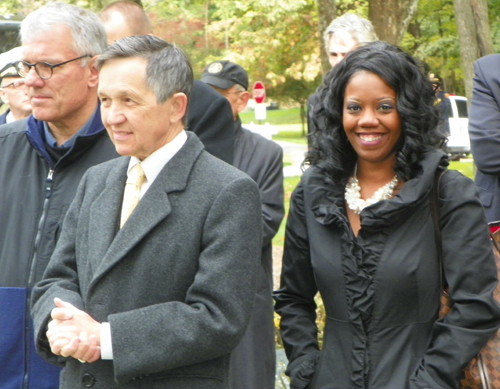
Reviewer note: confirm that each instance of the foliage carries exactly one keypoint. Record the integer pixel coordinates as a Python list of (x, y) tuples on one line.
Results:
[(298, 91), (10, 8), (359, 7), (432, 37), (272, 40)]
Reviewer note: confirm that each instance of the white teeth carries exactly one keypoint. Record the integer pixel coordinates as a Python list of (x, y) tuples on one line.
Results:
[(370, 138)]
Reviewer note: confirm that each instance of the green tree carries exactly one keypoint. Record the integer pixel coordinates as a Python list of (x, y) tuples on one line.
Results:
[(285, 54), (432, 37), (272, 40)]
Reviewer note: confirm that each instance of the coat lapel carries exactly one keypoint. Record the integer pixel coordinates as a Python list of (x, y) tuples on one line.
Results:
[(104, 213), (153, 208)]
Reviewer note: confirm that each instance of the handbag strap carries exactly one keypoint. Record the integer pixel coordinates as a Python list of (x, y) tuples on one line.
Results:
[(434, 199)]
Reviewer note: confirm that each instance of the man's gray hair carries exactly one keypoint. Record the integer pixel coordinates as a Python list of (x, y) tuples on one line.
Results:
[(168, 70), (361, 30), (89, 36)]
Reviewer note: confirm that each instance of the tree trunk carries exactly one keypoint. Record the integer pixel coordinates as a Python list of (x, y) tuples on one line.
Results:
[(391, 18), (326, 13), (469, 45), (303, 117), (480, 10)]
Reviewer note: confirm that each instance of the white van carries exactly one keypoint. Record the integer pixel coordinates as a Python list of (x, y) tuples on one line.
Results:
[(458, 145)]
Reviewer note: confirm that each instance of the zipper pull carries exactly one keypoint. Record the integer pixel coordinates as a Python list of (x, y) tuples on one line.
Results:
[(48, 180)]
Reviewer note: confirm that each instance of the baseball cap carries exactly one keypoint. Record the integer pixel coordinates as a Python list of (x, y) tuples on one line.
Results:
[(224, 74), (8, 61), (435, 79)]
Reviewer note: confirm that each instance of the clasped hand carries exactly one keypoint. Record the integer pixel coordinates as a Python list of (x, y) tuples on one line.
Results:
[(73, 333)]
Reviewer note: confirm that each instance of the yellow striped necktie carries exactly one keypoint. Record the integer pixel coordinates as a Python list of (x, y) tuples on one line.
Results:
[(132, 193)]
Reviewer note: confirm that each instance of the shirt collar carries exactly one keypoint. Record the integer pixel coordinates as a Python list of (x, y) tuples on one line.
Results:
[(9, 118), (52, 142), (155, 162)]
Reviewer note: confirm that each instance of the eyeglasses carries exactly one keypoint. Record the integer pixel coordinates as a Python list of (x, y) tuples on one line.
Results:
[(43, 69), (225, 94), (19, 84)]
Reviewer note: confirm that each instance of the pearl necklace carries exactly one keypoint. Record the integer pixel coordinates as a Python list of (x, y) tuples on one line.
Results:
[(353, 195)]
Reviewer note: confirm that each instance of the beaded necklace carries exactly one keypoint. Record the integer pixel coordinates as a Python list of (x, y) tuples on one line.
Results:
[(353, 195)]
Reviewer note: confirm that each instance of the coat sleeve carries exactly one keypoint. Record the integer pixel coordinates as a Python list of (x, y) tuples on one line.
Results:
[(295, 297), (272, 195), (471, 275), (211, 119), (484, 116)]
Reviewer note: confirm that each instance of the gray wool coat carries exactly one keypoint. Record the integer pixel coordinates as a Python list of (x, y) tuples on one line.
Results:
[(176, 283)]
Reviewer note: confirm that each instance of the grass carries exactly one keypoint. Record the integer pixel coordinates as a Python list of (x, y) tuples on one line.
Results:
[(289, 184), (290, 133), (464, 166), (273, 117), (286, 121)]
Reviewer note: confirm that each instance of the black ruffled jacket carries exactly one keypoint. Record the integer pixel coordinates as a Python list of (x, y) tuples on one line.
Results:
[(381, 289)]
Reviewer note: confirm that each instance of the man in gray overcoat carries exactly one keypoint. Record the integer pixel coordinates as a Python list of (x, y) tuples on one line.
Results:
[(158, 295)]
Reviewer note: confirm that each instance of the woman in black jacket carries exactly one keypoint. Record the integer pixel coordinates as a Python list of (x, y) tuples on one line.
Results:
[(360, 232)]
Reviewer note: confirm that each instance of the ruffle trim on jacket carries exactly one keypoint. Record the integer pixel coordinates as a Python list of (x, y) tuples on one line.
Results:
[(359, 264)]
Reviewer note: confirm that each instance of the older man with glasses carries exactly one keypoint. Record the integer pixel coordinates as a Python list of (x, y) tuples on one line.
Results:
[(42, 159), (12, 89)]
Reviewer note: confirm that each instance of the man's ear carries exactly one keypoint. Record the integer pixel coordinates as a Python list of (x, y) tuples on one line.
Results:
[(3, 96), (178, 107), (94, 73), (243, 100)]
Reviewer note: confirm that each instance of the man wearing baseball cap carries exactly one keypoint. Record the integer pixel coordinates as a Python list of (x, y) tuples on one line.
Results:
[(12, 89), (442, 103), (253, 361)]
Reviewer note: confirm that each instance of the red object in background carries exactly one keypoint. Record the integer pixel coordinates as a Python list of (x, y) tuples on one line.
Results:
[(494, 226), (259, 92)]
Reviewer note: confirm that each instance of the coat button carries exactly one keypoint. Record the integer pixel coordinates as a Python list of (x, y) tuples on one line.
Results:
[(88, 380)]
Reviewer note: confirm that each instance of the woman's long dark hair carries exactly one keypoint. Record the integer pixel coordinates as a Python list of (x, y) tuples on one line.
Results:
[(329, 147)]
